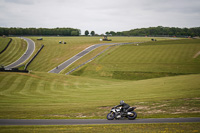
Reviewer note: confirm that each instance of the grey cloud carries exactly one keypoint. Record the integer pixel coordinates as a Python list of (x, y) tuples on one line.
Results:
[(100, 15), (175, 6), (20, 1)]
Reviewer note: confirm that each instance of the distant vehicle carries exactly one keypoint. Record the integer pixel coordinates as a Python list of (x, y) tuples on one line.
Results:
[(106, 39), (40, 39), (62, 42), (153, 39)]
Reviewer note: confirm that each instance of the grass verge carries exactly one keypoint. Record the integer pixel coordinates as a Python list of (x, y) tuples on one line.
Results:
[(127, 128)]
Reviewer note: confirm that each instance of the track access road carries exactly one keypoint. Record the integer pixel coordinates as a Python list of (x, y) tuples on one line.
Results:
[(92, 121), (67, 63), (29, 51)]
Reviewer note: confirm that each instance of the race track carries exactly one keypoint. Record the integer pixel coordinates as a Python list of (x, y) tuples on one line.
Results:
[(92, 121)]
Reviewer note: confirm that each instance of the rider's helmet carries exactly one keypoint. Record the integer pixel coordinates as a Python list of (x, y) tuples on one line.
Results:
[(121, 102)]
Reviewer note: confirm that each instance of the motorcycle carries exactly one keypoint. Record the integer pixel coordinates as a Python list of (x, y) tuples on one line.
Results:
[(117, 113)]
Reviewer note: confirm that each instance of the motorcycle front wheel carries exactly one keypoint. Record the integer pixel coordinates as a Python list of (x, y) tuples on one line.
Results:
[(132, 117), (111, 116)]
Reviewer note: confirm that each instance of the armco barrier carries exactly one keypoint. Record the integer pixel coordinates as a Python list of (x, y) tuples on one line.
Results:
[(13, 70), (6, 46), (33, 57)]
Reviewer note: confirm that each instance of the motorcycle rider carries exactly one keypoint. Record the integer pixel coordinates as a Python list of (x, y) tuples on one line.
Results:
[(123, 105)]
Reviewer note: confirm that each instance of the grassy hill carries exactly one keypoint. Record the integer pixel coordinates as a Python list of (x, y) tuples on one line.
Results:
[(148, 60), (160, 78), (14, 51), (54, 53), (3, 43), (45, 95)]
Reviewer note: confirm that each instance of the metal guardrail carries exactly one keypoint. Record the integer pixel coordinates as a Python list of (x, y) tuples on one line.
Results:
[(13, 70)]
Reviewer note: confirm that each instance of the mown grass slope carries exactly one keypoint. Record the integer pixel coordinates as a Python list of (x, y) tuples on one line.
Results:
[(3, 43), (111, 128), (44, 95), (14, 51), (148, 60), (54, 53)]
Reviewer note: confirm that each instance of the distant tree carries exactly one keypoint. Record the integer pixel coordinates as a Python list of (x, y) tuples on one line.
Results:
[(163, 31), (112, 33), (151, 31), (107, 33), (119, 33), (92, 33), (86, 32)]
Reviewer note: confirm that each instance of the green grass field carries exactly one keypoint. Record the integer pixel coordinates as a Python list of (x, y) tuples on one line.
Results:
[(136, 128), (148, 60), (14, 51), (54, 53), (160, 78), (3, 43), (42, 95)]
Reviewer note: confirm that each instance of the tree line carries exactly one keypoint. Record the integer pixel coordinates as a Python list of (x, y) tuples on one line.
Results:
[(92, 33), (159, 31), (40, 31)]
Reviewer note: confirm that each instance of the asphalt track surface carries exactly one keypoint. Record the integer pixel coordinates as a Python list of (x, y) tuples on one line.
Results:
[(92, 121), (67, 63), (29, 51)]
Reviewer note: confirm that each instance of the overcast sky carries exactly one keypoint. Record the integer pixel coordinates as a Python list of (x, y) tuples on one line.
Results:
[(99, 15)]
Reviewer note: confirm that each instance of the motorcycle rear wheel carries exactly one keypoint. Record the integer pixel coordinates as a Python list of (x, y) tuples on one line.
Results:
[(111, 116), (134, 116)]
